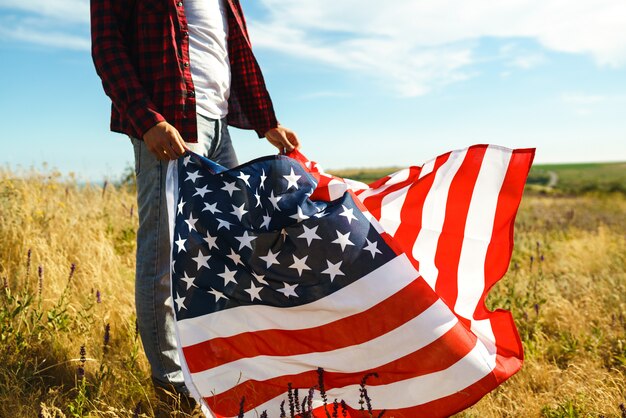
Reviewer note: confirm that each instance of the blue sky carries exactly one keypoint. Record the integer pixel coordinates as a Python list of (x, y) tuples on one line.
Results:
[(364, 83)]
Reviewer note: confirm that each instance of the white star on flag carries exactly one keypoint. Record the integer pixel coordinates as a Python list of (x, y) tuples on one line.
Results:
[(180, 302), (235, 257), (181, 244), (299, 216), (372, 247), (342, 239), (191, 222), (244, 177), (245, 240), (230, 188), (258, 198), (189, 281), (223, 224), (309, 234), (180, 206), (254, 291), (292, 179), (274, 200), (211, 208), (218, 295), (201, 260), (266, 221), (270, 258), (348, 213), (211, 240), (333, 270), (201, 191), (193, 176), (288, 290), (239, 211), (300, 264), (263, 177), (228, 276)]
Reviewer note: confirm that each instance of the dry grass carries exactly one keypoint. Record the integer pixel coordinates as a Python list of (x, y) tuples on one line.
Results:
[(570, 307)]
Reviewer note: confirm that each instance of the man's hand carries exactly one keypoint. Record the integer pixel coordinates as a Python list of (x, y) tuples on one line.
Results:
[(164, 141), (282, 138)]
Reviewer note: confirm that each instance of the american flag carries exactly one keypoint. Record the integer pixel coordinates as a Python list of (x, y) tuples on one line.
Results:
[(279, 269)]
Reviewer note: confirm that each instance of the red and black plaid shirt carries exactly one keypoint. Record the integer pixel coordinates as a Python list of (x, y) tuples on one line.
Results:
[(141, 52)]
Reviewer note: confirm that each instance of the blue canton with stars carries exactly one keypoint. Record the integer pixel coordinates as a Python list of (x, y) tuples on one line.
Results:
[(252, 235)]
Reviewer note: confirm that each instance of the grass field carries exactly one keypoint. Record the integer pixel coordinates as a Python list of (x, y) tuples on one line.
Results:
[(69, 345)]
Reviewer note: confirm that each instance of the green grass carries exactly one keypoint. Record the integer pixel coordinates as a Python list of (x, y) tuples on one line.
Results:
[(582, 178)]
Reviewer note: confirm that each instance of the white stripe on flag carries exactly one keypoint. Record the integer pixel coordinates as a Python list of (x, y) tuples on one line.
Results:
[(477, 364), (402, 341), (433, 217), (477, 236), (427, 168), (391, 208), (357, 297)]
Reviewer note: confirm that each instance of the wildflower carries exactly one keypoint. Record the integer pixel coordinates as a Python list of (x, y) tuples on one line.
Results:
[(532, 259), (5, 283), (282, 410), (309, 401), (290, 398), (40, 283), (83, 360), (104, 187), (344, 409), (107, 336), (541, 258), (320, 384), (28, 262), (335, 409), (72, 270), (98, 297), (364, 396), (536, 309)]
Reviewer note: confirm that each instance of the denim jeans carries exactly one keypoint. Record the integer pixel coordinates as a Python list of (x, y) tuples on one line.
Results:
[(155, 314)]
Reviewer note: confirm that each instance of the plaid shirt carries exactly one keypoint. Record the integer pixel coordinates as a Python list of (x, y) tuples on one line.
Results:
[(141, 52)]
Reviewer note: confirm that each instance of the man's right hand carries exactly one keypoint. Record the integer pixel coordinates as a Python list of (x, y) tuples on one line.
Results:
[(164, 141)]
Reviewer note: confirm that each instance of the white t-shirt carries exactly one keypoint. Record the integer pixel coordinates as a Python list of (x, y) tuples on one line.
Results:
[(208, 55)]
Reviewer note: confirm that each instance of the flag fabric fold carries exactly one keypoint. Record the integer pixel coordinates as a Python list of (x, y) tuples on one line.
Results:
[(279, 269)]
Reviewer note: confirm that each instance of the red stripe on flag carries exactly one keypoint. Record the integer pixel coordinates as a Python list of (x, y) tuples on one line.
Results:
[(356, 329), (452, 234)]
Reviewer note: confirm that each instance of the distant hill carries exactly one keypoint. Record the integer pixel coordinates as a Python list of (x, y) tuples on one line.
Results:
[(579, 178)]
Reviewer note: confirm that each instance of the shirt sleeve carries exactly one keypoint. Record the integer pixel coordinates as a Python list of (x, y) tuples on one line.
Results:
[(110, 53)]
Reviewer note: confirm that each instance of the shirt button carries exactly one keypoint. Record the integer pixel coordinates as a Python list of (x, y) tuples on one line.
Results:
[(180, 4), (186, 64), (191, 93)]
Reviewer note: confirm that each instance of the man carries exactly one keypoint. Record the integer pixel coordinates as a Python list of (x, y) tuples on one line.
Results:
[(178, 73)]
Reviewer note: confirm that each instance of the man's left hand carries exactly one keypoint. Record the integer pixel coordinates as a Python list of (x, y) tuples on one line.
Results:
[(283, 138)]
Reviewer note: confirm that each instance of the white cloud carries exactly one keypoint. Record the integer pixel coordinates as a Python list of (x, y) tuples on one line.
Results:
[(417, 45), (52, 23), (63, 11)]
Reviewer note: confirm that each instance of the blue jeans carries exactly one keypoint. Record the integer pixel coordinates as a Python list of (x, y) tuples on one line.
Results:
[(155, 314)]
